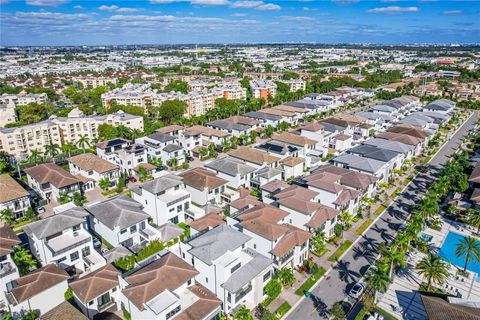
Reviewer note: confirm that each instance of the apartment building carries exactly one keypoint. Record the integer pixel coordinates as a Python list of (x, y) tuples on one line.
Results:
[(8, 268), (234, 93), (64, 239), (295, 84), (122, 222), (23, 98), (13, 196), (51, 181), (264, 89), (8, 114), (165, 198), (166, 289), (226, 266), (94, 82)]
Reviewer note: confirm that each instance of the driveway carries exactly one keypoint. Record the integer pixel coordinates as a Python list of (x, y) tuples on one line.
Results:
[(347, 271)]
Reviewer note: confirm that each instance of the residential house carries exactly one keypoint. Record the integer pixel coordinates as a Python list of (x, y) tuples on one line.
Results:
[(362, 164), (235, 273), (165, 199), (8, 268), (64, 239), (204, 186), (121, 221), (166, 289), (93, 168), (265, 175), (292, 167), (51, 181), (406, 150), (233, 170), (442, 106), (265, 119), (162, 146), (394, 159), (13, 196), (254, 157), (205, 223), (119, 151), (303, 144)]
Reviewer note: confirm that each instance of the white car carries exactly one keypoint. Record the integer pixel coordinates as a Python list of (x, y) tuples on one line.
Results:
[(40, 210), (96, 243), (356, 290)]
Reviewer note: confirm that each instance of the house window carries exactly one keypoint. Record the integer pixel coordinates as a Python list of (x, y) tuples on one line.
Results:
[(266, 276), (229, 297), (254, 246), (236, 267), (76, 228), (123, 231), (85, 251), (90, 303), (206, 279), (189, 282), (142, 225), (74, 256), (186, 206), (133, 229)]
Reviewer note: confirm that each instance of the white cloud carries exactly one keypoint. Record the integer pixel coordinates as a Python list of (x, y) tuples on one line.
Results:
[(114, 8), (341, 2), (256, 5), (239, 15), (78, 7), (452, 12), (297, 18), (4, 1), (194, 2), (46, 3), (393, 10)]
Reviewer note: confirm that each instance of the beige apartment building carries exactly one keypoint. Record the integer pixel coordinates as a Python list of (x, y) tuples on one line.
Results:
[(20, 141), (8, 114), (23, 98), (234, 93), (95, 82)]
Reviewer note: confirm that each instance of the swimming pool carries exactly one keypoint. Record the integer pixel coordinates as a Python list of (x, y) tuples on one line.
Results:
[(447, 252)]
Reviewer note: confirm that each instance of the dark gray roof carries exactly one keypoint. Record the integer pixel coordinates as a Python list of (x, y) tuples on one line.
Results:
[(276, 147), (384, 108), (121, 212), (389, 145), (360, 163), (160, 184), (162, 137), (262, 116), (228, 125), (440, 105), (172, 148), (308, 104), (56, 223), (373, 115), (247, 272), (216, 242), (374, 152), (230, 166)]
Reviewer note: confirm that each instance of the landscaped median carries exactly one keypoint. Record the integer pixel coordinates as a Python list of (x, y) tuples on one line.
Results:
[(382, 208), (340, 251), (364, 226), (310, 281), (282, 310)]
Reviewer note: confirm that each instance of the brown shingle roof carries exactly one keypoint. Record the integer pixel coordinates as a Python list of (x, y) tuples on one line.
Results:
[(293, 237), (89, 161), (475, 175), (409, 130), (38, 281), (10, 189), (208, 221), (439, 309), (64, 310), (297, 191), (292, 161), (53, 174), (294, 139), (263, 220), (404, 138), (321, 216), (8, 240), (201, 178), (253, 155), (167, 273), (95, 283), (207, 303)]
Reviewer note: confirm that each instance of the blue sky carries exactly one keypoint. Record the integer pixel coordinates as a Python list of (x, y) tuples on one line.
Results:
[(71, 22)]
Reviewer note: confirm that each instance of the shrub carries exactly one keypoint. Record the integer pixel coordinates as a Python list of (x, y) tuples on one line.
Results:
[(68, 295), (149, 250), (125, 263), (339, 252), (273, 288), (282, 310)]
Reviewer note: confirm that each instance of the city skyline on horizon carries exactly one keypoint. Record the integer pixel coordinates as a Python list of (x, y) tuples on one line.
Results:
[(169, 22)]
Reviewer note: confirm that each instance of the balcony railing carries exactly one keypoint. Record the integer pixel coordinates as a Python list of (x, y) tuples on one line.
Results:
[(70, 247), (239, 295), (280, 261), (106, 305), (6, 268)]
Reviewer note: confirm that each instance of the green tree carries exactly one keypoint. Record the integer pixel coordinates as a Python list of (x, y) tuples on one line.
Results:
[(283, 126), (68, 148), (35, 156), (273, 288), (269, 130), (63, 198), (104, 183), (468, 247), (378, 280), (433, 269), (337, 312), (172, 110), (142, 173), (286, 277), (83, 142), (202, 152), (394, 257), (347, 218), (318, 242), (177, 86), (24, 260), (243, 314), (78, 199), (253, 136), (6, 215), (52, 150), (173, 162), (473, 218)]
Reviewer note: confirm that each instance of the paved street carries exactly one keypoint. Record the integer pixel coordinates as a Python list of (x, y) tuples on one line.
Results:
[(346, 272)]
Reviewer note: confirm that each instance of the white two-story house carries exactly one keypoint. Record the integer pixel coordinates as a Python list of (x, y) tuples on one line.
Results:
[(13, 196), (8, 268), (204, 186), (236, 172), (94, 169)]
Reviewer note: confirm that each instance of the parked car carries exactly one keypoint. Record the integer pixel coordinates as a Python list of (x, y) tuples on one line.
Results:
[(130, 179), (40, 210), (189, 158), (370, 269), (356, 290), (96, 243), (161, 168)]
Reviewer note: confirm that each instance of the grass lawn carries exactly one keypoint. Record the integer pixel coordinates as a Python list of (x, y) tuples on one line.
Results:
[(385, 314), (382, 208), (319, 253), (361, 314), (408, 179), (280, 312), (338, 253), (310, 281), (396, 193), (364, 226)]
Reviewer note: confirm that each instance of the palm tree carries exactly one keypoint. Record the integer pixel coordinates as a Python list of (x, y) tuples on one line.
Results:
[(104, 183), (253, 136), (202, 152), (142, 173), (346, 217), (473, 218), (243, 314), (173, 162), (269, 130), (233, 142), (51, 149), (225, 146), (318, 242), (394, 257), (433, 269), (67, 148), (83, 142), (24, 260), (470, 248), (243, 139), (378, 280), (286, 277), (35, 156)]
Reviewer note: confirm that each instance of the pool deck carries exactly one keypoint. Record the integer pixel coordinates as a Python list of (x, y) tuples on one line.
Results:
[(402, 298)]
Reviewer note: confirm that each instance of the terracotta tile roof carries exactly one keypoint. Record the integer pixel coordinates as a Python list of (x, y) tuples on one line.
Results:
[(171, 128), (95, 283), (244, 202), (312, 126), (322, 215), (208, 221), (275, 185), (342, 136), (263, 220), (293, 237), (207, 303), (290, 109), (278, 112), (439, 309), (357, 180), (167, 273), (346, 196), (475, 175), (8, 240), (243, 120), (253, 155), (403, 138), (409, 130), (201, 178), (297, 191), (64, 310), (326, 181), (292, 161), (294, 139), (89, 161), (475, 197), (148, 166), (306, 207), (38, 281), (11, 189), (352, 118), (53, 174)]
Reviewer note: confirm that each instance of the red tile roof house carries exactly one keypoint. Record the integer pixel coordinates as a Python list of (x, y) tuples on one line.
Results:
[(40, 290)]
